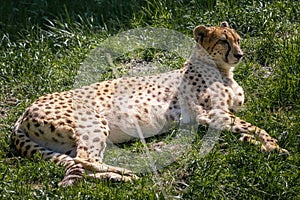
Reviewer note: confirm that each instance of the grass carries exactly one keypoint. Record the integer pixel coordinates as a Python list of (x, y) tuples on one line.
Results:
[(44, 43)]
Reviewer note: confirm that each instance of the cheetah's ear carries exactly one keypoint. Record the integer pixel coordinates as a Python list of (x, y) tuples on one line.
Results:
[(224, 24), (200, 32)]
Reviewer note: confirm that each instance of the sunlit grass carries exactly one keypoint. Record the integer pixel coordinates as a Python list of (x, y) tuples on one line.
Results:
[(43, 45)]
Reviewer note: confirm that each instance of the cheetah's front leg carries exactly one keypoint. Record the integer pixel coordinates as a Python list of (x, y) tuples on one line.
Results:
[(249, 133)]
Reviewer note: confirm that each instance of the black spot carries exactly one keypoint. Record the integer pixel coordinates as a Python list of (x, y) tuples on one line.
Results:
[(52, 128), (146, 110), (26, 112), (105, 133), (28, 126), (71, 137), (246, 138), (138, 117), (85, 137), (17, 142), (33, 151), (226, 118), (60, 135), (237, 129), (85, 148), (22, 144)]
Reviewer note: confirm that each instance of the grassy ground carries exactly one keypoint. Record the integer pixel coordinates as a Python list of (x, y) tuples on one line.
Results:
[(43, 44)]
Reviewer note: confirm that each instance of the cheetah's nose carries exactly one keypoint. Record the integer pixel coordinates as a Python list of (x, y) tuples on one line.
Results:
[(238, 56)]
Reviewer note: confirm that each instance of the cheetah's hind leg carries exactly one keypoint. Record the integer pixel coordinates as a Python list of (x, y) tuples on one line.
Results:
[(90, 147), (89, 164), (89, 158), (74, 171)]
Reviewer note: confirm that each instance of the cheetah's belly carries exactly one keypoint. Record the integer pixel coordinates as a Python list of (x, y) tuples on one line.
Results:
[(155, 122)]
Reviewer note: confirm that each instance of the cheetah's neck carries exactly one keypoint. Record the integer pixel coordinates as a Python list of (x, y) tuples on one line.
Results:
[(228, 73), (200, 54)]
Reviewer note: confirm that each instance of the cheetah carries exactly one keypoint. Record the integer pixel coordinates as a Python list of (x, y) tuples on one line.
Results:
[(71, 128)]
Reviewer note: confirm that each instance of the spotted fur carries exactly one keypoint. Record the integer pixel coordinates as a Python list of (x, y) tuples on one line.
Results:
[(72, 127)]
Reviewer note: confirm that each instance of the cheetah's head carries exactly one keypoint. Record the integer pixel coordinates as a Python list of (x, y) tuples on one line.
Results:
[(221, 42)]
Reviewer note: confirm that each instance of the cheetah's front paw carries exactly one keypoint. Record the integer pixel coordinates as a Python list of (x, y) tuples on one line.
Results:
[(274, 147)]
